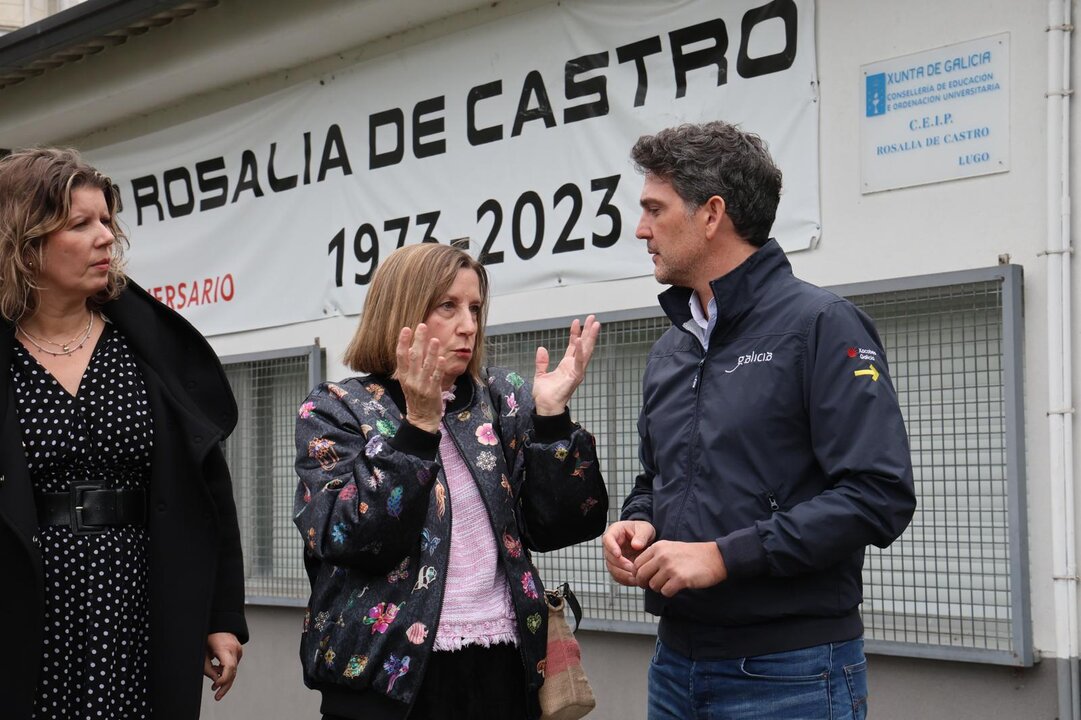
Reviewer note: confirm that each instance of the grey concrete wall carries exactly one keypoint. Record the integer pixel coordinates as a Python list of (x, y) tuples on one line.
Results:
[(269, 686)]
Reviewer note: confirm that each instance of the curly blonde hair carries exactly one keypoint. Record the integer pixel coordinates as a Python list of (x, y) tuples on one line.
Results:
[(35, 200)]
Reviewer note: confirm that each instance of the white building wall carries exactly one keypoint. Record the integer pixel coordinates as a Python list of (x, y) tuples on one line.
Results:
[(14, 14), (246, 48)]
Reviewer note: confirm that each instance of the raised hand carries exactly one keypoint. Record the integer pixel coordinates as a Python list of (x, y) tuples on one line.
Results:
[(552, 390), (420, 372)]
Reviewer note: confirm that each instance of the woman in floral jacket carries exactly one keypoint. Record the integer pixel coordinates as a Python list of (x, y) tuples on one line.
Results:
[(424, 485)]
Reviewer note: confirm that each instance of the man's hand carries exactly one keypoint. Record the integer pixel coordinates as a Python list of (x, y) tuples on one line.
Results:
[(226, 650), (668, 566), (623, 542)]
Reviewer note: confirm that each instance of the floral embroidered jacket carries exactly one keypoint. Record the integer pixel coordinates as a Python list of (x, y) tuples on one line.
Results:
[(373, 507)]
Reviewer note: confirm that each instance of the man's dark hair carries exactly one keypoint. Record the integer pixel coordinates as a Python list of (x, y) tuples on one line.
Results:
[(716, 158)]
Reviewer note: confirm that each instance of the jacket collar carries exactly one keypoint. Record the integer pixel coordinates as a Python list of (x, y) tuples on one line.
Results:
[(178, 353), (737, 292), (464, 387)]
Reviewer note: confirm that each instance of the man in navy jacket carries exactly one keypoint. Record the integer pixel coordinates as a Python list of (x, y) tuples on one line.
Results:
[(772, 448)]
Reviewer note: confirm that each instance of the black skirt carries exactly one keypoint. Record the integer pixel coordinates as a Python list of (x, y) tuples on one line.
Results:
[(474, 683)]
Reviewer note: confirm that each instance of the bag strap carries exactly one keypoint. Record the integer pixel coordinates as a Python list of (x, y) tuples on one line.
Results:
[(564, 592)]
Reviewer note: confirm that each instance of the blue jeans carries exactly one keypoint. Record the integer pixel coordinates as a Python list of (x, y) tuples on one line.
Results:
[(825, 682)]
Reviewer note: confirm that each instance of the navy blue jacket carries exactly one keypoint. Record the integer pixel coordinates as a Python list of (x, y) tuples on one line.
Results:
[(784, 443)]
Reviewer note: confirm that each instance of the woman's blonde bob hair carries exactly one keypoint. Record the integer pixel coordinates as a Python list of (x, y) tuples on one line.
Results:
[(35, 200), (404, 291)]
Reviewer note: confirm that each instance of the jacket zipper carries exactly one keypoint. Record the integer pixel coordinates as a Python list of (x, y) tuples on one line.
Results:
[(694, 428), (774, 506), (698, 373)]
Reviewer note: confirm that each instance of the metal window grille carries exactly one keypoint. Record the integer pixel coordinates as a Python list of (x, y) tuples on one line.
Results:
[(269, 388), (953, 586), (607, 404)]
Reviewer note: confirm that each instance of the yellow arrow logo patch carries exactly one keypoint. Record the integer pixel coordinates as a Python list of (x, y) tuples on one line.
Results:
[(869, 370)]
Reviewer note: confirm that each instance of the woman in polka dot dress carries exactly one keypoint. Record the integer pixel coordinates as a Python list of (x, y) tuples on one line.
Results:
[(119, 547)]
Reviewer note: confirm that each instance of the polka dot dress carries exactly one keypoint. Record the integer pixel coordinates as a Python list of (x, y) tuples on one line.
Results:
[(96, 652)]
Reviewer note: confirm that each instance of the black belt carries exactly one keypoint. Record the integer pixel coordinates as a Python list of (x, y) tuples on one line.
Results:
[(89, 509)]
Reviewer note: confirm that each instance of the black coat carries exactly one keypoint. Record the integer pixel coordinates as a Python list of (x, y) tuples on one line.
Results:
[(196, 573)]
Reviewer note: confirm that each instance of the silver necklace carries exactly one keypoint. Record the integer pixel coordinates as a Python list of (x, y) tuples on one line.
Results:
[(66, 349), (66, 345)]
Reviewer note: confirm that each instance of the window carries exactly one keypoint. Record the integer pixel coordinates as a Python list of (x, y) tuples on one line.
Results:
[(952, 587), (607, 404), (269, 388)]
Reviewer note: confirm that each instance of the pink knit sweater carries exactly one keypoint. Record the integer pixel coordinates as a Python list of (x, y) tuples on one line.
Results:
[(477, 608)]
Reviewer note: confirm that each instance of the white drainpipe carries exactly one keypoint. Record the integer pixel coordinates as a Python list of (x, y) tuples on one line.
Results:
[(1060, 357)]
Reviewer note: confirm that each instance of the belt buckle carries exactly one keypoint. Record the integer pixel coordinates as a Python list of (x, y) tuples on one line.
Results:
[(77, 493)]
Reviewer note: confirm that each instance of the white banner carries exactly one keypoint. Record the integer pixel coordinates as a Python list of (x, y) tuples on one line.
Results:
[(514, 134)]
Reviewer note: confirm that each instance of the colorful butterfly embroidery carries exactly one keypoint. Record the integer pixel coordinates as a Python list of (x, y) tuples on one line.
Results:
[(512, 404), (306, 410), (428, 542), (399, 573), (580, 465)]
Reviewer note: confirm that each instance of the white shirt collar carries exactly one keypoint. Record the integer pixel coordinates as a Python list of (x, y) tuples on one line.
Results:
[(696, 310)]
